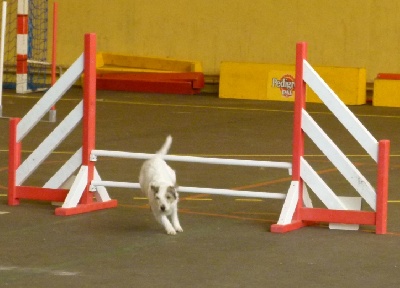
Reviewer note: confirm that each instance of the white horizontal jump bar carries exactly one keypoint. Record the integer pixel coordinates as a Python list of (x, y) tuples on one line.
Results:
[(206, 160), (225, 192)]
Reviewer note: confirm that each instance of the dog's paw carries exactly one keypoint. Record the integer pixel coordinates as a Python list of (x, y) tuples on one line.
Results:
[(178, 229), (171, 231)]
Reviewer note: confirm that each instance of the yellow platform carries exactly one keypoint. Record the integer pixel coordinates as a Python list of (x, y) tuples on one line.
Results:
[(386, 93), (111, 62), (276, 82)]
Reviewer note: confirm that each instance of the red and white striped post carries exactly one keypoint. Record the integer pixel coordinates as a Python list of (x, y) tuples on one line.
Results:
[(22, 46)]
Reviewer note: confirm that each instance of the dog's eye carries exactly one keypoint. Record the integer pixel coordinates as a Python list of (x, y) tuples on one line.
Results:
[(157, 198), (169, 197)]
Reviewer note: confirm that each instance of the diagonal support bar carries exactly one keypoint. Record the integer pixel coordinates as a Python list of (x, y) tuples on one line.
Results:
[(339, 160), (49, 144), (50, 98), (340, 110), (77, 189), (65, 171), (324, 193)]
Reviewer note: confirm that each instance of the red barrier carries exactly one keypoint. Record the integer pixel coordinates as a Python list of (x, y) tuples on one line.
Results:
[(170, 83)]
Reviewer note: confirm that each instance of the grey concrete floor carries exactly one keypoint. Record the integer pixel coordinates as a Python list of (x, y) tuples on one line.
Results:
[(226, 241)]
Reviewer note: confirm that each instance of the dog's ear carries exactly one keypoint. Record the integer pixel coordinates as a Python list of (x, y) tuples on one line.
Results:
[(154, 188), (174, 191)]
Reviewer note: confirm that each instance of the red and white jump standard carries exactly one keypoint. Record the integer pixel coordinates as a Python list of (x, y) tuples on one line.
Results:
[(303, 174), (85, 110)]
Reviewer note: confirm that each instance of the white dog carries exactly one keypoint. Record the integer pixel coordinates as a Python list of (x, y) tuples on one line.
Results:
[(158, 182)]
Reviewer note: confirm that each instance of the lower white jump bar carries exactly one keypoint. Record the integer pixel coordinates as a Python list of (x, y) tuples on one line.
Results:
[(226, 192)]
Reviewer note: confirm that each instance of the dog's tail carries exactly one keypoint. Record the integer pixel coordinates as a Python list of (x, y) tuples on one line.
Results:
[(164, 149)]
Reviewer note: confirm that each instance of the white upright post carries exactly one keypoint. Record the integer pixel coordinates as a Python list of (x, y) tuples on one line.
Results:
[(3, 33)]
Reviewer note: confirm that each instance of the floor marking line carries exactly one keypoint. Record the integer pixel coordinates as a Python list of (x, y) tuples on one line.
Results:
[(227, 216), (256, 213), (196, 199), (32, 270), (284, 179), (187, 211), (123, 102), (238, 108)]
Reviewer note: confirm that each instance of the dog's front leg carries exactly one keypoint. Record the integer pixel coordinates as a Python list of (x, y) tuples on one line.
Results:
[(175, 221), (163, 220), (167, 225)]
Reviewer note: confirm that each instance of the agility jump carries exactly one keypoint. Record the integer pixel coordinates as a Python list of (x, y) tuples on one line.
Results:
[(19, 128), (297, 209), (336, 211)]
